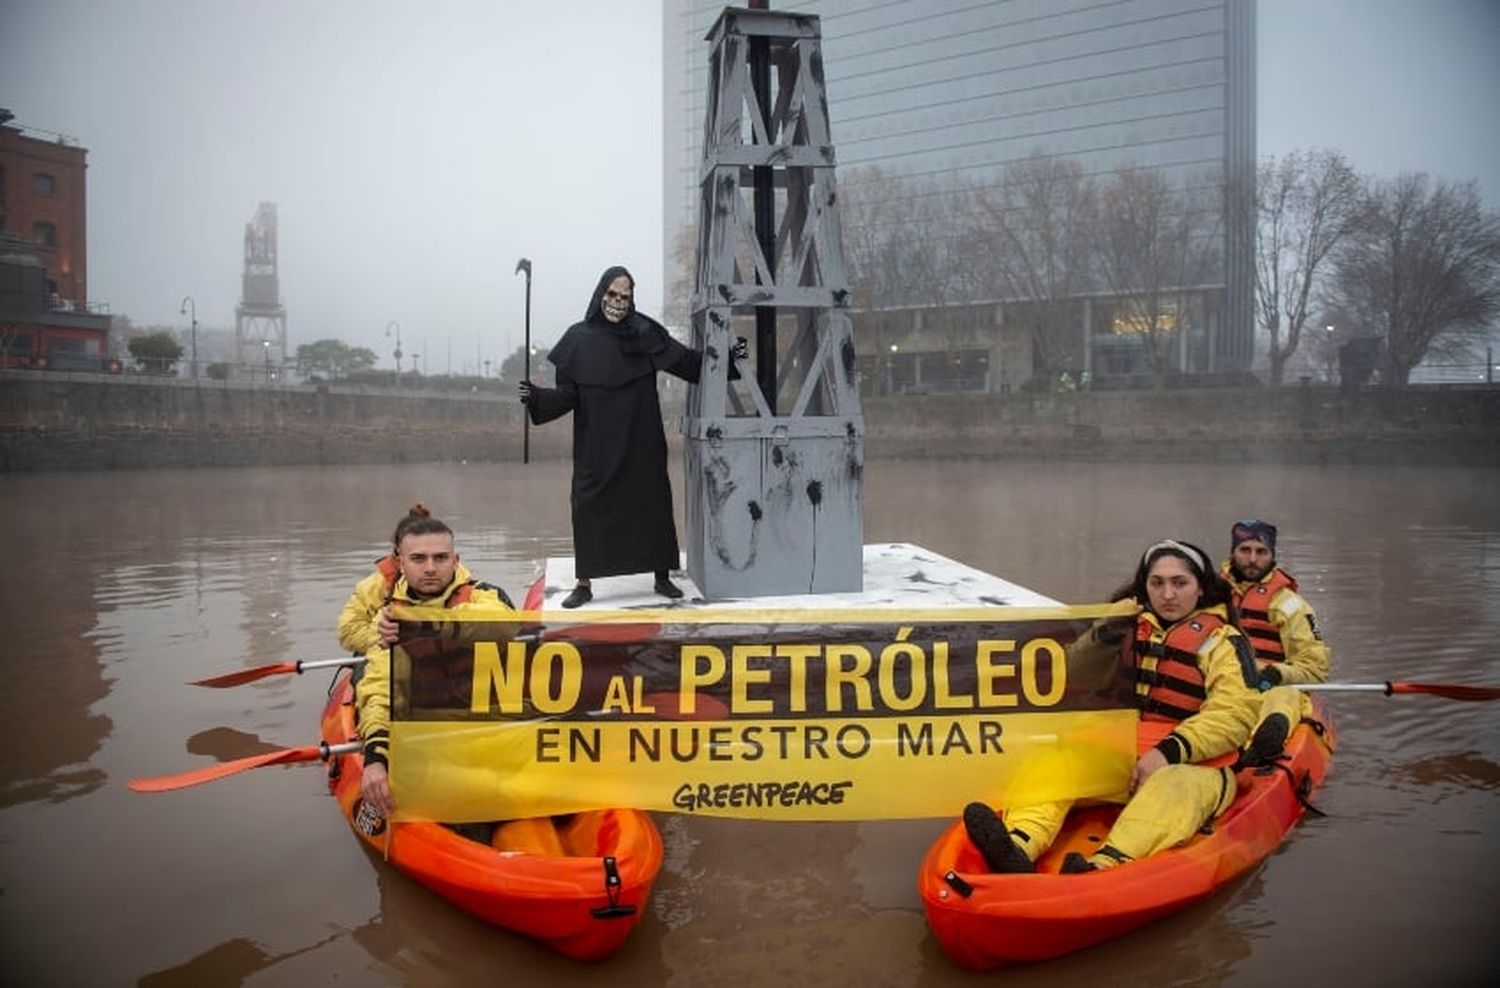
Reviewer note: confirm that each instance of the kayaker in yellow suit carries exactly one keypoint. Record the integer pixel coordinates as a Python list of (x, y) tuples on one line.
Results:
[(429, 574), (359, 621), (1282, 627), (1193, 669)]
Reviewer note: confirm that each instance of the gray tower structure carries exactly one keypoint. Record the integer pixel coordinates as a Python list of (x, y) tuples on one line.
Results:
[(260, 318), (774, 459)]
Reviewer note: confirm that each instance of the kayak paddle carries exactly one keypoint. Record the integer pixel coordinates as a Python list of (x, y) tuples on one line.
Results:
[(212, 773), (1450, 691), (276, 668), (597, 633)]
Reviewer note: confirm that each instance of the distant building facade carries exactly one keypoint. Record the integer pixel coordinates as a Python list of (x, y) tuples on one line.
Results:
[(935, 101), (46, 318)]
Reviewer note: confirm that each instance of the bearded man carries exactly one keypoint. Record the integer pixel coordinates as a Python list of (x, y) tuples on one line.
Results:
[(621, 495), (1282, 628), (1280, 623)]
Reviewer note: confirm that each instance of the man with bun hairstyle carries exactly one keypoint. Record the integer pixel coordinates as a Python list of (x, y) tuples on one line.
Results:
[(359, 622), (430, 574)]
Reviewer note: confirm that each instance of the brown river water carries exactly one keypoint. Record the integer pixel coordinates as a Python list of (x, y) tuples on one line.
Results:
[(125, 585)]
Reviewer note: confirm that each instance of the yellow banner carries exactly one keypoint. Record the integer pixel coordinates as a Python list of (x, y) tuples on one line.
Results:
[(793, 715)]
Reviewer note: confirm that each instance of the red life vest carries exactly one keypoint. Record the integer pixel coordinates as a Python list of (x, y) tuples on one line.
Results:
[(1174, 689), (1255, 614), (390, 572)]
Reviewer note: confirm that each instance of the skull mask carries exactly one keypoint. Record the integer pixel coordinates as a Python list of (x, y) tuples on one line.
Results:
[(617, 298)]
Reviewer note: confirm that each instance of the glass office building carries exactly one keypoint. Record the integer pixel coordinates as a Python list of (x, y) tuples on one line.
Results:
[(935, 98)]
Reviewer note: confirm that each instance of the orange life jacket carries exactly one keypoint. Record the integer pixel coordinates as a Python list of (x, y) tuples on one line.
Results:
[(1255, 614), (390, 572), (1175, 688)]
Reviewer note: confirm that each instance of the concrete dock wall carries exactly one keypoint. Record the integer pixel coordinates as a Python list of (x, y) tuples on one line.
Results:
[(57, 421)]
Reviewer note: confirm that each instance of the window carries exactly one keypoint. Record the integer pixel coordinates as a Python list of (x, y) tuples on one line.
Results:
[(43, 184), (44, 234)]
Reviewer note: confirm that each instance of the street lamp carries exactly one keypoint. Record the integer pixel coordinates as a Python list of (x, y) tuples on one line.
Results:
[(189, 305), (266, 346), (393, 324)]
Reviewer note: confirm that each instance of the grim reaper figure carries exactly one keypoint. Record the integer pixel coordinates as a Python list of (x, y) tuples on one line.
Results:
[(606, 376)]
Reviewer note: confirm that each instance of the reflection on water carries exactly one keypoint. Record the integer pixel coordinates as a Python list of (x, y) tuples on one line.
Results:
[(225, 744), (1464, 770), (139, 582)]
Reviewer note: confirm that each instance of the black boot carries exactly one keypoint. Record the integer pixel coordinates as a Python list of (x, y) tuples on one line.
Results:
[(989, 835), (1264, 748), (581, 595), (480, 833), (665, 586), (1076, 864)]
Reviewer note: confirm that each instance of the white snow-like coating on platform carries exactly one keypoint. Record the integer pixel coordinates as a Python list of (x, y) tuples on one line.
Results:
[(896, 574)]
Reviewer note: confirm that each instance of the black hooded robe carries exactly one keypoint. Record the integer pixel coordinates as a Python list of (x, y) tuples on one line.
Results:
[(622, 497)]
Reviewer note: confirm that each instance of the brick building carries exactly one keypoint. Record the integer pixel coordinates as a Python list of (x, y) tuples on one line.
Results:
[(46, 318)]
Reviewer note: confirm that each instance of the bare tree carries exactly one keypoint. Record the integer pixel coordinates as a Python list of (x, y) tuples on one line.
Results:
[(910, 245), (1036, 240), (1422, 270), (1156, 248), (1305, 205), (676, 308), (873, 214)]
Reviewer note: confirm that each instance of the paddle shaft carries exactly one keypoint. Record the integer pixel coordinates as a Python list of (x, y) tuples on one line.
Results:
[(606, 633), (1449, 691), (1343, 687), (321, 751), (348, 660)]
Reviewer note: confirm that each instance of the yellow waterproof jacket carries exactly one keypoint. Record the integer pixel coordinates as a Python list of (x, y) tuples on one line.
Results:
[(373, 692), (1227, 715), (1306, 657), (357, 621)]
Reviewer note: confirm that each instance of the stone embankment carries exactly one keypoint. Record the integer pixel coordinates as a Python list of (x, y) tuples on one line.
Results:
[(80, 421)]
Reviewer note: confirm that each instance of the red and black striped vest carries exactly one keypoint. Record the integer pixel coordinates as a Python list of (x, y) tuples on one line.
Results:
[(1255, 614), (1174, 688)]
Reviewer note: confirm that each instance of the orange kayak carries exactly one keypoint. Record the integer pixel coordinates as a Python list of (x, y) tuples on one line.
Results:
[(579, 886), (985, 921)]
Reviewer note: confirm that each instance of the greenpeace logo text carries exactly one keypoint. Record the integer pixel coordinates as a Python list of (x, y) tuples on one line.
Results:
[(735, 795)]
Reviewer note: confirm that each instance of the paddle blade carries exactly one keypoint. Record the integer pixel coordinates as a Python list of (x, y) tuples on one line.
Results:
[(1449, 690), (212, 773), (245, 676)]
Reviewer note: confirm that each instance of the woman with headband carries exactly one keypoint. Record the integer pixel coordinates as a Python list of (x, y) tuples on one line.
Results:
[(1193, 669)]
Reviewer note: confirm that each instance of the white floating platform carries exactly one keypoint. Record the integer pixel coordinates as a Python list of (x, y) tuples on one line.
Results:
[(895, 574)]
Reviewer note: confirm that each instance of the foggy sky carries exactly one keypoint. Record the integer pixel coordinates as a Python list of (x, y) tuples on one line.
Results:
[(416, 151), (1397, 85)]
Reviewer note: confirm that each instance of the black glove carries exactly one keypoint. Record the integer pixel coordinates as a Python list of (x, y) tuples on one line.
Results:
[(1269, 676), (523, 391), (741, 348), (1113, 631)]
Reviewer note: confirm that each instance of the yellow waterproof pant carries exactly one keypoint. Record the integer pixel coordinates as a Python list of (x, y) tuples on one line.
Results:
[(1170, 807), (1167, 809)]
